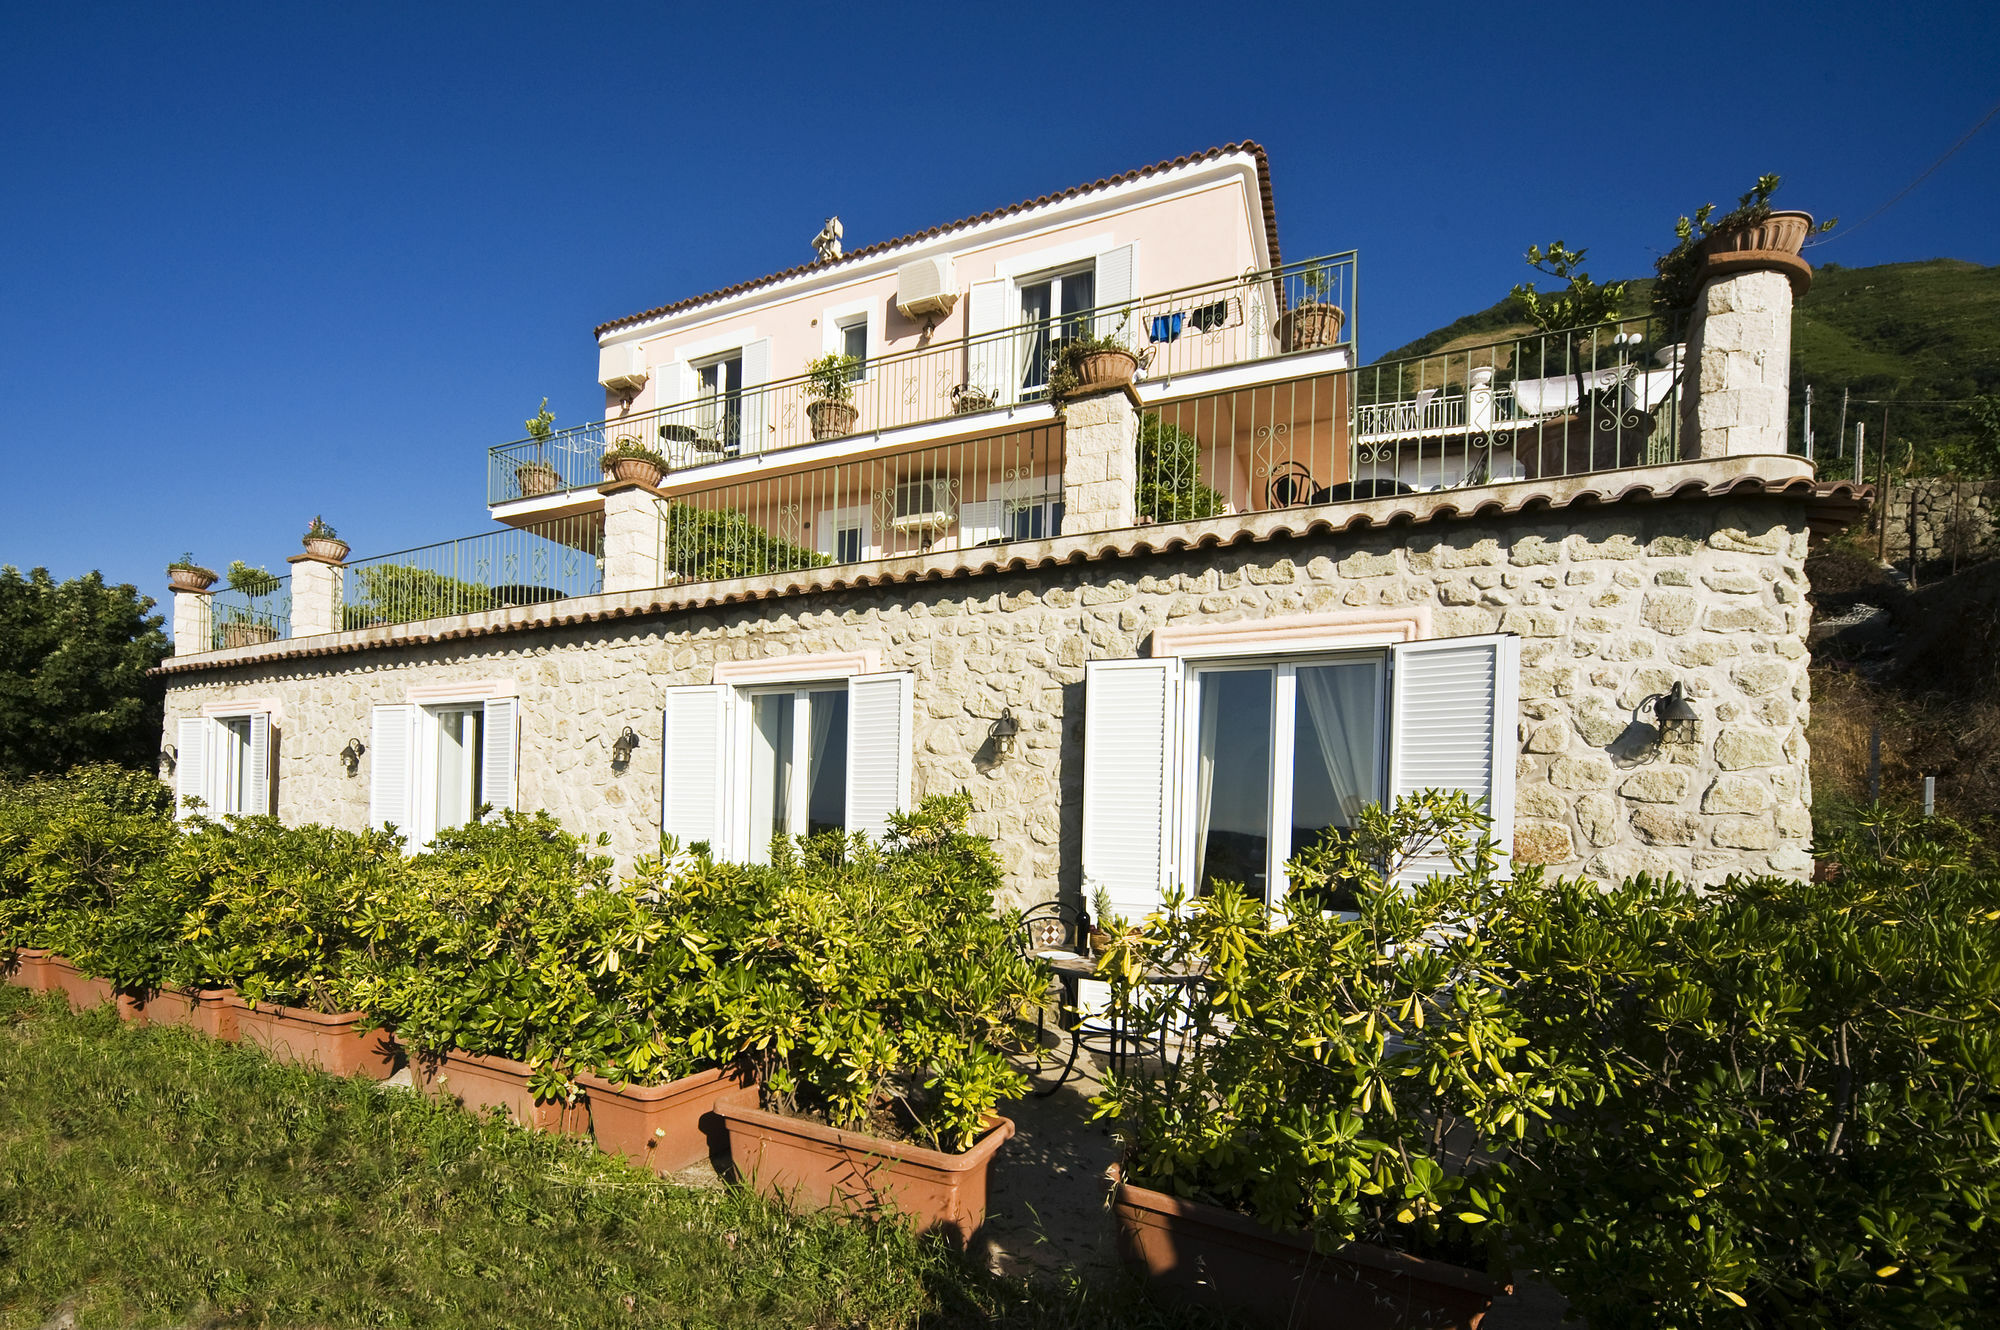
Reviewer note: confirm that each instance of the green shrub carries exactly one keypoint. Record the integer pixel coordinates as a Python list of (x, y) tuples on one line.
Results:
[(1339, 1070), (866, 982), (405, 593), (705, 543), (1170, 488), (1799, 1115)]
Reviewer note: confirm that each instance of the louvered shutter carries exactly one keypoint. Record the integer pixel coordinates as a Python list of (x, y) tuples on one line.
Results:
[(694, 766), (391, 745), (500, 754), (981, 521), (257, 794), (1130, 775), (191, 763), (990, 357), (878, 749), (1453, 717), (1115, 290), (757, 397)]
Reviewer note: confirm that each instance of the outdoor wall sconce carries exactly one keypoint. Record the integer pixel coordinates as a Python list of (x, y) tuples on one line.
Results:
[(1675, 714), (1005, 730), (170, 755), (622, 747), (351, 755)]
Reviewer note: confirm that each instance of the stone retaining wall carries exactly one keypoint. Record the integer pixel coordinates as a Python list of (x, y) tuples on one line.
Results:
[(1613, 604), (1954, 518)]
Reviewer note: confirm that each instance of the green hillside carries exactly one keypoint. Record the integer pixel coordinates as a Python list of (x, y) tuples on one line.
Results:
[(1926, 335)]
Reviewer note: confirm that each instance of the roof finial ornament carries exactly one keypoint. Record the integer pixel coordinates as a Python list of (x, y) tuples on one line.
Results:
[(827, 243)]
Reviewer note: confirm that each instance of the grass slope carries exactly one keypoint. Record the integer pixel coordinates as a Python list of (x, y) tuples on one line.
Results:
[(154, 1178)]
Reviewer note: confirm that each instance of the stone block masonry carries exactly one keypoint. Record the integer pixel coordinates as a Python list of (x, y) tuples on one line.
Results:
[(1613, 604)]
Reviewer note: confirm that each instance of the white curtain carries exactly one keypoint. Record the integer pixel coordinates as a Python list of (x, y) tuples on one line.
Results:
[(1341, 701), (821, 707), (1204, 772)]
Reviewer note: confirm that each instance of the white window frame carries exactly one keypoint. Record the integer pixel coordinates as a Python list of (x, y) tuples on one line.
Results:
[(829, 525), (1283, 722), (219, 757), (841, 330), (754, 843), (425, 770)]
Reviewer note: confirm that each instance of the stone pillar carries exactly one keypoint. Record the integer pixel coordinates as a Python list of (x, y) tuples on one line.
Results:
[(317, 584), (194, 622), (1740, 343), (1100, 462), (634, 536)]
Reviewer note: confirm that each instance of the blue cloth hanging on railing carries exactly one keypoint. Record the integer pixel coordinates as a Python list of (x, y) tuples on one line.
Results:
[(1165, 328)]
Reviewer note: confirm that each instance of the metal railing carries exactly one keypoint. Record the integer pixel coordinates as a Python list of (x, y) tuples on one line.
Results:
[(246, 613), (1301, 306), (984, 491), (528, 566)]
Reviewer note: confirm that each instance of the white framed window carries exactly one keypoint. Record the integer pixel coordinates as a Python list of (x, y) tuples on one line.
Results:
[(842, 533), (225, 760), (434, 765), (853, 335), (743, 763), (1052, 308), (1221, 767), (718, 418)]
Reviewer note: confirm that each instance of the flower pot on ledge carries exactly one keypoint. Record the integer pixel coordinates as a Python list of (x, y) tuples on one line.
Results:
[(329, 1041), (180, 578), (1310, 326), (831, 419), (636, 470), (1773, 245), (817, 1166), (330, 548), (662, 1127), (1230, 1261), (482, 1082), (1110, 368), (536, 478)]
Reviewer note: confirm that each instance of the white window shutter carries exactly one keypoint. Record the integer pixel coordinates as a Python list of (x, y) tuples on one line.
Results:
[(500, 754), (1453, 716), (1130, 775), (756, 395), (191, 763), (981, 521), (990, 363), (879, 722), (1115, 293), (257, 797), (694, 766), (391, 744)]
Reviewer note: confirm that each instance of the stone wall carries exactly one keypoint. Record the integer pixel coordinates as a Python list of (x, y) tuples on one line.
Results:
[(1953, 519), (1613, 605)]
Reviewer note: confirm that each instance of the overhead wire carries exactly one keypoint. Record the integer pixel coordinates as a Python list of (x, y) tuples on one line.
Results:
[(1964, 139)]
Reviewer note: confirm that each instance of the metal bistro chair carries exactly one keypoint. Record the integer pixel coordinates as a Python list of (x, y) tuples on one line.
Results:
[(1053, 933)]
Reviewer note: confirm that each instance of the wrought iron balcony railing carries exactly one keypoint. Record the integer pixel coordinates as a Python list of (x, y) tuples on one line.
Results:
[(1260, 315)]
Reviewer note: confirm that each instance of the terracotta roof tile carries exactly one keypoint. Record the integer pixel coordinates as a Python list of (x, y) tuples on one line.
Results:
[(866, 251)]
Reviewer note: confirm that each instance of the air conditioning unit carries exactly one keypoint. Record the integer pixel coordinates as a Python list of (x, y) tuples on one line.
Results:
[(923, 505), (621, 367), (926, 288)]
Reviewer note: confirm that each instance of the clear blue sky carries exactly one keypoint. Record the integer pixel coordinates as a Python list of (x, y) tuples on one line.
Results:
[(263, 261)]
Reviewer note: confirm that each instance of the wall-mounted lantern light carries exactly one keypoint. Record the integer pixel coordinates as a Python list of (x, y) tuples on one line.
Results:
[(351, 755), (1005, 730), (170, 755), (1675, 714), (623, 747)]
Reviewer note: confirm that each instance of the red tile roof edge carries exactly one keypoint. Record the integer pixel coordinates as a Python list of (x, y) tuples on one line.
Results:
[(1254, 149)]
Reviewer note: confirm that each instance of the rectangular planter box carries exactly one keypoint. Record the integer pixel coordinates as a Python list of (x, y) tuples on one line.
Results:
[(662, 1127), (84, 991), (27, 970), (1230, 1261), (811, 1165), (316, 1039), (206, 1011), (481, 1082)]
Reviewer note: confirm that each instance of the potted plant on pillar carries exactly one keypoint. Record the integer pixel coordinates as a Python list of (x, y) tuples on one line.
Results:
[(184, 574), (872, 990), (1320, 1150), (1090, 363), (1315, 321), (1750, 235), (536, 476), (323, 542), (630, 460), (831, 409)]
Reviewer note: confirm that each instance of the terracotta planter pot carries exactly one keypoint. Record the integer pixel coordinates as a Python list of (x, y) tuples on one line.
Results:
[(1311, 325), (967, 400), (84, 991), (206, 1011), (190, 579), (1230, 1261), (830, 419), (536, 478), (247, 634), (815, 1166), (636, 469), (1105, 369), (1770, 245), (662, 1127), (326, 547), (28, 969), (481, 1082), (329, 1042)]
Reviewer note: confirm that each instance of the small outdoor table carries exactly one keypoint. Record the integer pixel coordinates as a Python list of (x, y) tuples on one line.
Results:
[(1071, 970)]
